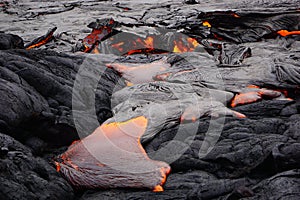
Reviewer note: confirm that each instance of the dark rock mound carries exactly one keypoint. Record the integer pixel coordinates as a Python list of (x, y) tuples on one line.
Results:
[(24, 176), (10, 41)]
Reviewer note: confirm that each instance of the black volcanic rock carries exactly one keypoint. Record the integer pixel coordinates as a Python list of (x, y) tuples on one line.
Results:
[(253, 158), (248, 150), (10, 41), (284, 185), (24, 176), (188, 185), (37, 94)]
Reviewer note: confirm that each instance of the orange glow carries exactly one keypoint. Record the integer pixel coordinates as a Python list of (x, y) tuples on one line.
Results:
[(181, 119), (286, 33), (256, 94), (92, 37), (147, 45), (95, 51), (43, 40), (193, 42), (128, 84), (57, 166), (184, 118), (285, 93), (235, 15), (180, 46), (162, 77), (115, 143), (68, 161), (134, 127), (75, 141), (118, 46), (39, 43), (142, 46), (144, 43), (206, 23), (194, 119), (239, 115), (95, 37), (164, 172), (252, 86), (139, 121), (158, 188), (149, 42), (74, 166), (139, 51), (100, 165), (86, 49), (245, 98), (138, 45), (141, 73)]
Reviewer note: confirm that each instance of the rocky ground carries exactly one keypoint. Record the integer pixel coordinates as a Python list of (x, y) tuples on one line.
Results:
[(257, 157)]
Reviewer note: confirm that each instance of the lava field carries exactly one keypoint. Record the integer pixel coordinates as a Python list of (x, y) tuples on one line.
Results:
[(182, 99)]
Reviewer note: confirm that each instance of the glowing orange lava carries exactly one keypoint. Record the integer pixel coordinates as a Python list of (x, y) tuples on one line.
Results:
[(164, 172), (139, 45), (206, 23), (286, 33), (140, 73), (256, 94), (180, 46), (42, 40), (245, 98), (112, 156)]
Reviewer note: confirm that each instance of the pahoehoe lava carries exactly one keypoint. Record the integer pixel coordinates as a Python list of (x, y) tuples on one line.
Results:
[(192, 99)]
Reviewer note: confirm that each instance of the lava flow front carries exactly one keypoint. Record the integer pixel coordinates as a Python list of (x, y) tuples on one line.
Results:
[(113, 157)]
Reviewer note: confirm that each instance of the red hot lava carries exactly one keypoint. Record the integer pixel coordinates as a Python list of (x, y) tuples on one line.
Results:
[(129, 44), (113, 157)]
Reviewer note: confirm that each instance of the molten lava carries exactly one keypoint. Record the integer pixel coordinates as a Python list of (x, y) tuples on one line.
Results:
[(141, 73), (180, 46), (41, 40), (206, 23), (129, 44), (286, 33), (245, 98), (113, 157), (137, 46), (93, 38), (255, 94), (164, 172), (101, 30)]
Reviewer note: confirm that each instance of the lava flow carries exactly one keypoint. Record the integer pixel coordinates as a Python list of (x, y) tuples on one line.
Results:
[(286, 33), (254, 93), (113, 157), (41, 40), (128, 44), (180, 46), (142, 73), (101, 30)]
